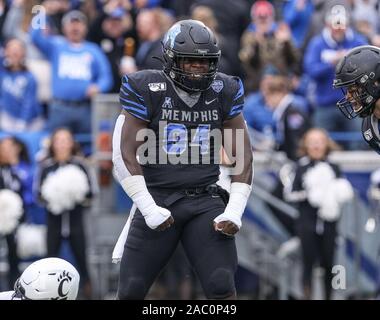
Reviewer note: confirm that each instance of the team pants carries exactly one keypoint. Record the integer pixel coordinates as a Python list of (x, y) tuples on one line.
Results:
[(212, 254)]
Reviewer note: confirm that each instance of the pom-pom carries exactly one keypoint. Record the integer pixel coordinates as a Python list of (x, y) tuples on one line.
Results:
[(65, 188), (338, 192), (11, 210), (31, 240), (316, 180), (326, 192)]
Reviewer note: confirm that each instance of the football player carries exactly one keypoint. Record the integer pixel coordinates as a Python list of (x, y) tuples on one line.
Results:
[(358, 75), (170, 122)]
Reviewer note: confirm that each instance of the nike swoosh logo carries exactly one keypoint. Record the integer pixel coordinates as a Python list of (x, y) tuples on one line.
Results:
[(211, 101)]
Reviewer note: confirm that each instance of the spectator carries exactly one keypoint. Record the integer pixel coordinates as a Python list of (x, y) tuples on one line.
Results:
[(110, 5), (80, 70), (229, 60), (322, 54), (290, 122), (20, 109), (365, 17), (316, 190), (114, 33), (17, 25), (55, 10), (63, 222), (21, 165), (321, 8), (150, 29), (277, 113), (10, 181), (297, 14), (264, 43), (90, 8), (144, 4), (232, 17)]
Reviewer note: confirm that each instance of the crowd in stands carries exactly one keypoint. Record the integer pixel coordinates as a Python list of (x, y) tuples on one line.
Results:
[(57, 55)]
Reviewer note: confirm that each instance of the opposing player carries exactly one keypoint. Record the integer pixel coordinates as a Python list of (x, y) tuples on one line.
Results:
[(46, 279), (170, 121), (358, 75)]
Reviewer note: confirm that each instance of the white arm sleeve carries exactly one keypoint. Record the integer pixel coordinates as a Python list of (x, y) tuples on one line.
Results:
[(238, 200), (134, 185), (120, 169)]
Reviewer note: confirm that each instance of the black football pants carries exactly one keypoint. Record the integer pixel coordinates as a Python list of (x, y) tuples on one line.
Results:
[(212, 254)]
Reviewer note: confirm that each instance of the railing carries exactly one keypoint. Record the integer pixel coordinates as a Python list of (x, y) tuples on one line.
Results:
[(346, 136), (107, 107)]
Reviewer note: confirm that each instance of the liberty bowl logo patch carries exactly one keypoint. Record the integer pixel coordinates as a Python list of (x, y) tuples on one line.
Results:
[(217, 85)]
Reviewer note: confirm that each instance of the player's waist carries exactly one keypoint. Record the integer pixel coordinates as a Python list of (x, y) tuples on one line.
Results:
[(185, 190), (180, 177), (170, 196)]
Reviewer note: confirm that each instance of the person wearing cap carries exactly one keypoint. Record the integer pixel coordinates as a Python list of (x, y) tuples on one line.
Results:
[(80, 70), (113, 31), (321, 57), (266, 42)]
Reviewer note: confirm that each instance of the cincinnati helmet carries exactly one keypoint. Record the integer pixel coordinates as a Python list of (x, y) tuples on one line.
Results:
[(190, 39), (358, 75), (48, 279)]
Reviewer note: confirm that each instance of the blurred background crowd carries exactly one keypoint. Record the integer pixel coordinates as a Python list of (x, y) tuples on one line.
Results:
[(57, 56)]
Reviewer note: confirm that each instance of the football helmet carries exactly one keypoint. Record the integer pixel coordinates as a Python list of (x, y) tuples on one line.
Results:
[(48, 279), (358, 75), (190, 39)]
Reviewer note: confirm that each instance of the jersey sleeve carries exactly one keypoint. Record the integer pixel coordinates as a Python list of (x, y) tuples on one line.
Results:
[(236, 99), (132, 101)]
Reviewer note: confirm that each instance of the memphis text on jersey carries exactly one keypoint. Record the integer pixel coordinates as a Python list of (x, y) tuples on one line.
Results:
[(184, 130)]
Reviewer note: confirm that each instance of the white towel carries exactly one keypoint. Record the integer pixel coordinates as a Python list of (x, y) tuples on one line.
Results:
[(118, 250)]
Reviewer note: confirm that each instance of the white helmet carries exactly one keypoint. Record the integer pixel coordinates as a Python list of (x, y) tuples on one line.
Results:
[(48, 279)]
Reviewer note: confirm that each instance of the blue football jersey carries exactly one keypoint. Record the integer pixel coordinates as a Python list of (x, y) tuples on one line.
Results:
[(182, 149)]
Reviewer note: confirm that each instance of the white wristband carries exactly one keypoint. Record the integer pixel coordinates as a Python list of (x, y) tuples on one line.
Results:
[(236, 205), (136, 189)]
